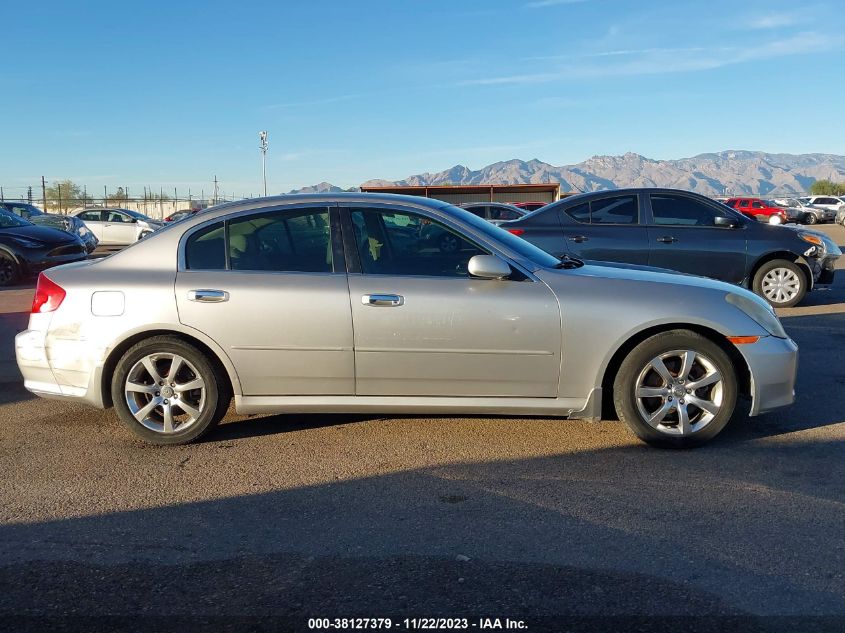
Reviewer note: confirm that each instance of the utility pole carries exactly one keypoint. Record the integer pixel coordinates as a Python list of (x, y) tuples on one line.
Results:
[(264, 146), (84, 196), (44, 193), (29, 195), (215, 188)]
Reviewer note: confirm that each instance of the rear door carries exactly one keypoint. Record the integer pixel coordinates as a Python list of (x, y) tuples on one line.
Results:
[(270, 288), (425, 327), (94, 221), (606, 229), (683, 237)]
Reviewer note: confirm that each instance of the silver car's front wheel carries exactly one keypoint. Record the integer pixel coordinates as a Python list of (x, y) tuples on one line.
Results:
[(169, 392), (676, 388), (165, 392), (679, 392)]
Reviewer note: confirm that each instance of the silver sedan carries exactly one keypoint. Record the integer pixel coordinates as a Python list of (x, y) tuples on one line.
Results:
[(341, 303)]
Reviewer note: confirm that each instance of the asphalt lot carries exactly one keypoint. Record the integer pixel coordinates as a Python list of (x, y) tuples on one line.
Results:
[(336, 516)]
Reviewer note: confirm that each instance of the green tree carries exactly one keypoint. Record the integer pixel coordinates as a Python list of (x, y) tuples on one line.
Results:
[(827, 188), (65, 194), (118, 196)]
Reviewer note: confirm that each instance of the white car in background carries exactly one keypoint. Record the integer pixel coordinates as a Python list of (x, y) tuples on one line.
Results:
[(117, 227), (831, 203)]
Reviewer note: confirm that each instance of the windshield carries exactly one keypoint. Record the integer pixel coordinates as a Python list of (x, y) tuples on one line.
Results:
[(10, 220), (511, 241)]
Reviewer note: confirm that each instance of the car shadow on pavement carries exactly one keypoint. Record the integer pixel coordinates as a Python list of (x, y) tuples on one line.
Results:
[(616, 531), (259, 425)]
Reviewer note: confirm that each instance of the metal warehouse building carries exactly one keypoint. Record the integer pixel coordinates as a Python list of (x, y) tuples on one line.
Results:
[(458, 194)]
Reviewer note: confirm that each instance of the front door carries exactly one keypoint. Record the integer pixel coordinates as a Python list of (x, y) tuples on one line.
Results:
[(269, 288), (425, 327), (607, 229), (119, 228), (683, 236)]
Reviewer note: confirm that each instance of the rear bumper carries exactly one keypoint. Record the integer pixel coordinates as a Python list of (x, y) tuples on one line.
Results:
[(773, 363), (77, 385)]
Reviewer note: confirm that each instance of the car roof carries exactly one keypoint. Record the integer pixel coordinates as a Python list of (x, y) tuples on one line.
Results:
[(345, 197)]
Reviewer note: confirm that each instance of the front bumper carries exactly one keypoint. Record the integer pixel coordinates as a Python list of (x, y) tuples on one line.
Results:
[(773, 363), (40, 261)]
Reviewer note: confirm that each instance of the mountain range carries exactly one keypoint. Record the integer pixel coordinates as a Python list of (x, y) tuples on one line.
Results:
[(732, 172)]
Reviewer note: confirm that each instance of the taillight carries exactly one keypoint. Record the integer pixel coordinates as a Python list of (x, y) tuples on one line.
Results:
[(516, 231), (48, 295)]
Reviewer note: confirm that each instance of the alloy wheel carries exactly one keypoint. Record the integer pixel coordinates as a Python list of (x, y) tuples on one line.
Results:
[(781, 285), (165, 393), (679, 392)]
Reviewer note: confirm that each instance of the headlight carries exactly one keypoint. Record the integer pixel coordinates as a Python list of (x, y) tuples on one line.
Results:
[(759, 311), (811, 238)]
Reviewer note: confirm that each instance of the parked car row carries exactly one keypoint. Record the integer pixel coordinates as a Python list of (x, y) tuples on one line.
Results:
[(346, 302), (67, 223), (27, 249)]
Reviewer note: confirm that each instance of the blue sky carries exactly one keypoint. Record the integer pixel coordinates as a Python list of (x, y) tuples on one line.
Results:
[(168, 94)]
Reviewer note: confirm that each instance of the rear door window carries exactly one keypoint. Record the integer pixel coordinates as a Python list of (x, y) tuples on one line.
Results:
[(91, 216), (579, 213), (617, 210), (281, 241)]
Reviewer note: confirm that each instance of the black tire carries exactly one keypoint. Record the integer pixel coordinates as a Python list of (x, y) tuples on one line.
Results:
[(214, 405), (810, 218), (10, 272), (636, 364), (759, 277)]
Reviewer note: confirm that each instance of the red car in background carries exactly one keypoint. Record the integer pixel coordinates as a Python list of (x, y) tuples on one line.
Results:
[(530, 206), (758, 209)]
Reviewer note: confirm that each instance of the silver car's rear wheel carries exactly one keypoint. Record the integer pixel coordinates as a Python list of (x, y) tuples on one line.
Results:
[(165, 392), (169, 392), (679, 392), (676, 389)]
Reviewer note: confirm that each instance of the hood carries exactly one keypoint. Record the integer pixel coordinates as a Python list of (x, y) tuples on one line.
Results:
[(41, 233), (648, 274)]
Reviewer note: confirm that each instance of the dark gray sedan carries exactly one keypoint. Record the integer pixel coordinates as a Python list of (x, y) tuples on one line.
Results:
[(688, 233)]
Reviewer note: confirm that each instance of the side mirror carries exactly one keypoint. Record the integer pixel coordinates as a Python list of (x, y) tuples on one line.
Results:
[(488, 267), (728, 222)]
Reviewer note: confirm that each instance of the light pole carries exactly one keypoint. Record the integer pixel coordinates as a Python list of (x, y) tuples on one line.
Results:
[(263, 146)]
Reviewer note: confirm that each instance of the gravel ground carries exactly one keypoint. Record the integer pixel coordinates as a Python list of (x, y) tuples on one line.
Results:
[(276, 519)]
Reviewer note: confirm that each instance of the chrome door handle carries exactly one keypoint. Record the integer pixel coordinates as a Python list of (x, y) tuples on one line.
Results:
[(578, 239), (208, 296), (383, 300), (667, 239)]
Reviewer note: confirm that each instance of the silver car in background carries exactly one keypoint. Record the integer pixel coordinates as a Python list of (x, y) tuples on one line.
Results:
[(339, 303)]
